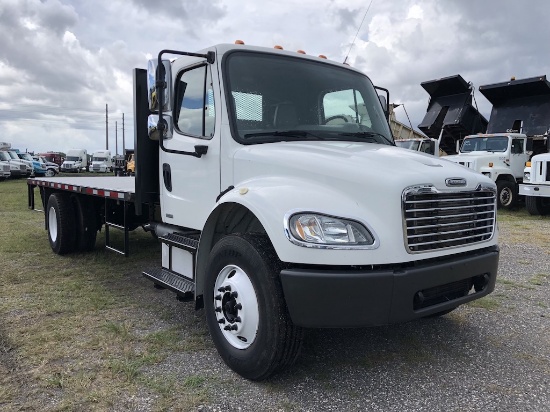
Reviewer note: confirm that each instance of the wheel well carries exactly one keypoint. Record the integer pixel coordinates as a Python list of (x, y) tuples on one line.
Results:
[(228, 218), (508, 178)]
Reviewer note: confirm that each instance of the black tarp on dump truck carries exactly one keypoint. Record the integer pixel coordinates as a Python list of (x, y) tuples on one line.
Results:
[(450, 112), (519, 106)]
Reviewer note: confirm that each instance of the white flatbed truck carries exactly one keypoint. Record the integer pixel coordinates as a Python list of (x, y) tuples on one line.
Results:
[(272, 217)]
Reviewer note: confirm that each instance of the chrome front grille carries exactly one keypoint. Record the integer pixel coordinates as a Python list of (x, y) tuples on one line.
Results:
[(540, 171), (436, 220)]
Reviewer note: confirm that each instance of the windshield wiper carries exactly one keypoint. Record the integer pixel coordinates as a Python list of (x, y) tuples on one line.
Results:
[(367, 134), (285, 133)]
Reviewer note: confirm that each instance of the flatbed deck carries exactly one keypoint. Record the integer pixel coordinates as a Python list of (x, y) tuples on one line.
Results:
[(114, 187)]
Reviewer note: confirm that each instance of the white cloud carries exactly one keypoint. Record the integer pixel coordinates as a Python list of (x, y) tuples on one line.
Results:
[(62, 61)]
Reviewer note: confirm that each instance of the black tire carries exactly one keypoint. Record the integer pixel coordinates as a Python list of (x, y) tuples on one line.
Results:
[(61, 222), (86, 224), (537, 206), (507, 194), (275, 341)]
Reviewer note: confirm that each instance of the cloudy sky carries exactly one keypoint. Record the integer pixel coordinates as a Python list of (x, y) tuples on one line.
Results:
[(62, 61)]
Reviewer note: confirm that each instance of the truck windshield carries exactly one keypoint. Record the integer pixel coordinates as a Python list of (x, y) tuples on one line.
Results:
[(73, 158), (26, 156), (99, 159), (4, 156), (484, 144), (274, 98)]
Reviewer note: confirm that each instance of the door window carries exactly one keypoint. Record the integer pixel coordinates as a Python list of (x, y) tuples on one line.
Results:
[(194, 111)]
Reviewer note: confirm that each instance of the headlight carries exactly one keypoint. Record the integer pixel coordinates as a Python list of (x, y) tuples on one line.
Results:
[(527, 176), (315, 230)]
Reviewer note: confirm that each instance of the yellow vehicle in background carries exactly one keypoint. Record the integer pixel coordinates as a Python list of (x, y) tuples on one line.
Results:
[(131, 166)]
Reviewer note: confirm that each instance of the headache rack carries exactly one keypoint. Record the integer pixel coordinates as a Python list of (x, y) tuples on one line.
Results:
[(435, 220)]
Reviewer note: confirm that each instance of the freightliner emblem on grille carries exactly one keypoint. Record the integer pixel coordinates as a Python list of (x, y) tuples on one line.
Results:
[(455, 181)]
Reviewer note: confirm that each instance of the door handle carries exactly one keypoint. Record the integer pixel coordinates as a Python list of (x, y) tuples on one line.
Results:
[(167, 176)]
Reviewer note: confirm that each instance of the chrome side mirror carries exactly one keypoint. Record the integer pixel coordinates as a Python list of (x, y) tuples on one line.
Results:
[(153, 129), (383, 102), (163, 74)]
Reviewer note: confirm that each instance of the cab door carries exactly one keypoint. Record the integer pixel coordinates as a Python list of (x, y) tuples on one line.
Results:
[(518, 157), (189, 184)]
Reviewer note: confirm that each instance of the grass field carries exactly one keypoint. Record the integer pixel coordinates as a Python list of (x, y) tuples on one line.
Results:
[(69, 339), (88, 332)]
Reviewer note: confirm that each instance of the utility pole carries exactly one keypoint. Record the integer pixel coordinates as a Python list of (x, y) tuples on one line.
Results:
[(116, 138), (123, 141), (106, 126)]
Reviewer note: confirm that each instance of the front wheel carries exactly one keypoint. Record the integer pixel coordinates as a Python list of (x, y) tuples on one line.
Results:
[(507, 194), (245, 308), (537, 206)]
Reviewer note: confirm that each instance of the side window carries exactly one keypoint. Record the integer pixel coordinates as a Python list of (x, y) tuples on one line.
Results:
[(517, 146), (345, 106), (194, 111)]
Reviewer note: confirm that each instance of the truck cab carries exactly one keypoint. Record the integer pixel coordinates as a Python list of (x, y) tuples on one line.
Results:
[(5, 168), (269, 166), (24, 167), (536, 184), (39, 168), (501, 157), (102, 161), (76, 161)]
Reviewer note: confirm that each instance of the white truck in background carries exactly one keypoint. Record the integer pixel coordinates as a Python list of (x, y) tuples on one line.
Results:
[(5, 167), (76, 161), (517, 129), (18, 167), (536, 184), (272, 215), (102, 161)]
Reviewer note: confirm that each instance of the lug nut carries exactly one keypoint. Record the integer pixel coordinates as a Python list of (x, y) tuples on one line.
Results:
[(237, 319), (218, 310), (228, 288), (234, 327), (234, 294), (222, 289), (238, 306), (218, 297), (222, 320)]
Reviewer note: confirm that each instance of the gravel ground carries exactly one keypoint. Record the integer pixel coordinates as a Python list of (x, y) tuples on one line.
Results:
[(492, 355)]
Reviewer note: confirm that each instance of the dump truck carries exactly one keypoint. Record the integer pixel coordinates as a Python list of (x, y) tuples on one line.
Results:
[(273, 217), (517, 130)]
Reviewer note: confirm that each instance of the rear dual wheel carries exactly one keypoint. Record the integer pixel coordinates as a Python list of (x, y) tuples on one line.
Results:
[(72, 224), (245, 308), (61, 222)]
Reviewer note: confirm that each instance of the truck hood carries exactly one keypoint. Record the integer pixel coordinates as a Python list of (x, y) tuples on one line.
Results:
[(341, 163), (358, 181)]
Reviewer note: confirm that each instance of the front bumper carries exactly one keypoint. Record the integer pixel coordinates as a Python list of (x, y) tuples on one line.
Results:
[(355, 298), (541, 190)]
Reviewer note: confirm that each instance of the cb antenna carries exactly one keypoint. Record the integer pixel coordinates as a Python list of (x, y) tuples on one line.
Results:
[(359, 28)]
